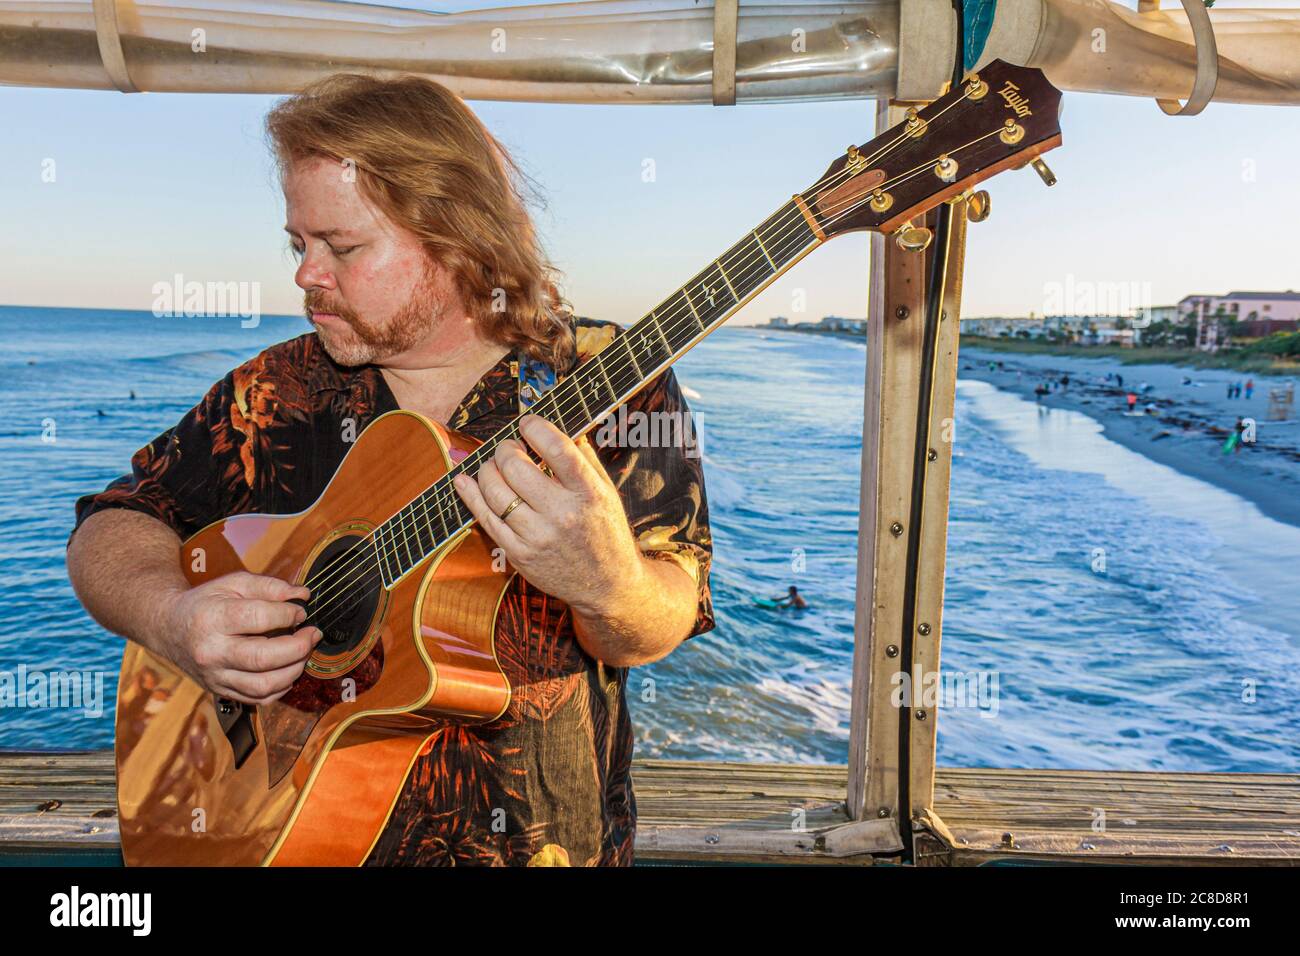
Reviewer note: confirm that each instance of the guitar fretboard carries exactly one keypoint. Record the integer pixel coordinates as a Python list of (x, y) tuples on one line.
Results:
[(605, 381)]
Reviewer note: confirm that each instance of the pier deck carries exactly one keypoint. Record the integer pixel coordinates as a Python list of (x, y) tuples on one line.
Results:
[(61, 807)]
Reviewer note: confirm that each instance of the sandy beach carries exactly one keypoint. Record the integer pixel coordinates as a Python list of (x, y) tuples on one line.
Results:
[(1180, 424)]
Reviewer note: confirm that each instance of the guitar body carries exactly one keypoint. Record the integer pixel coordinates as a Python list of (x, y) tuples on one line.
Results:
[(311, 778)]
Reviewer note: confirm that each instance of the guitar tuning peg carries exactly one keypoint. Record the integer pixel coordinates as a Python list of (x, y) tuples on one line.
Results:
[(978, 205), (912, 238), (1044, 171)]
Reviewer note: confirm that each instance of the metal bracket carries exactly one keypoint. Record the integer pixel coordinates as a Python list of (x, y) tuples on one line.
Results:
[(1207, 58), (110, 45), (725, 15)]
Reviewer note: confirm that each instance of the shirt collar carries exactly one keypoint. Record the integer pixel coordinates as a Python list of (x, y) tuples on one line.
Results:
[(498, 385)]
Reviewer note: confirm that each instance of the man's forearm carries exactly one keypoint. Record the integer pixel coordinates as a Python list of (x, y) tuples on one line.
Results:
[(648, 617), (125, 569)]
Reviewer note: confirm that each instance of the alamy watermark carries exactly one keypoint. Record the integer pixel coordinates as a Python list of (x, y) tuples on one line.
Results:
[(69, 690), (216, 299), (976, 690), (636, 429)]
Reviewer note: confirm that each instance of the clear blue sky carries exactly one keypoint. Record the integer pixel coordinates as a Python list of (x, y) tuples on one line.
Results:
[(151, 185)]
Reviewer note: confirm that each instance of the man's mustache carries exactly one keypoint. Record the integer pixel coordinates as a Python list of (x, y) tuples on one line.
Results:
[(319, 305)]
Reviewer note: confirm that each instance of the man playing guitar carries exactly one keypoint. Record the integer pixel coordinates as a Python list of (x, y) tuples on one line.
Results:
[(427, 290)]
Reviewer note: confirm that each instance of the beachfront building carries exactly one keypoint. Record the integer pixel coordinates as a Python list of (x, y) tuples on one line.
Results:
[(828, 323), (1257, 313), (1127, 338), (1092, 329), (1083, 329), (991, 328), (1151, 314), (837, 323)]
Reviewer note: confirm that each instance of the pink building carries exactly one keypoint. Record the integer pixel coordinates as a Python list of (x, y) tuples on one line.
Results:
[(1261, 313)]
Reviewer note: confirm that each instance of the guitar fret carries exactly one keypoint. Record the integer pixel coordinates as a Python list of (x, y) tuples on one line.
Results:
[(577, 417), (428, 523), (570, 420), (694, 311), (624, 377), (452, 522), (655, 324), (387, 555), (582, 399), (630, 357), (379, 559), (444, 532), (405, 544), (424, 533), (647, 338), (600, 367), (730, 287), (764, 249), (675, 321), (710, 287), (791, 230)]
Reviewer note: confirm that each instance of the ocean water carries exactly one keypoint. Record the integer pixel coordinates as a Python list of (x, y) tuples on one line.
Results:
[(1107, 611)]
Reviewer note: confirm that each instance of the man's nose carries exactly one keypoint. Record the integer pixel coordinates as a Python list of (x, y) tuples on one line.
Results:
[(312, 274)]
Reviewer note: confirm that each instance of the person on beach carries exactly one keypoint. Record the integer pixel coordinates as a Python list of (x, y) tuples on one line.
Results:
[(1039, 391), (1132, 400), (1250, 387), (1233, 444), (1119, 380), (1065, 382)]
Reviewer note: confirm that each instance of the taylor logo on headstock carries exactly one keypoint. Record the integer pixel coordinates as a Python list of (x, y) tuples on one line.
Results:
[(1018, 104)]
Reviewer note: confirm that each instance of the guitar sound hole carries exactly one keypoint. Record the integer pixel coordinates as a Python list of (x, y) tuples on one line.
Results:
[(346, 589)]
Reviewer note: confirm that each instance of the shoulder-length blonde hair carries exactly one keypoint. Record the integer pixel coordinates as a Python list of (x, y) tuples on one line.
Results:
[(425, 160)]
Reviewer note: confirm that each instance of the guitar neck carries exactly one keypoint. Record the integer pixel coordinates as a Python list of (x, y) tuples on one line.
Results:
[(578, 402), (989, 122)]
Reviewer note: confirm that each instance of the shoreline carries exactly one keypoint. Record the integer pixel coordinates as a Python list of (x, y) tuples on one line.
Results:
[(1187, 431)]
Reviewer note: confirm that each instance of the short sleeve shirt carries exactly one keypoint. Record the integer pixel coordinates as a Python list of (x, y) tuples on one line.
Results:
[(548, 782)]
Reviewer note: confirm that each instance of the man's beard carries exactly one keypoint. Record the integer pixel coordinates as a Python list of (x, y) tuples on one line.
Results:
[(362, 342)]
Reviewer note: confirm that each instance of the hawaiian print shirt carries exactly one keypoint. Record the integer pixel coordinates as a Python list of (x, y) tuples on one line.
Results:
[(547, 783)]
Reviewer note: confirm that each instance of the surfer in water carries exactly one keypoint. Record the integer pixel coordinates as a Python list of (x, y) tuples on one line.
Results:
[(791, 599)]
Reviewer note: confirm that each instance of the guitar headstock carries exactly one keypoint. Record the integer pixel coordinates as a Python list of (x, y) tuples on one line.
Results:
[(1001, 117)]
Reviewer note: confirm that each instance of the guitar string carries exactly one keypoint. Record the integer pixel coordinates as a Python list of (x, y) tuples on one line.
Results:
[(445, 498), (442, 497), (327, 572)]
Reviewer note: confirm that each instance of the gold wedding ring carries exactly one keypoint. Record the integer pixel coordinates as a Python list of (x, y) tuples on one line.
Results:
[(511, 507)]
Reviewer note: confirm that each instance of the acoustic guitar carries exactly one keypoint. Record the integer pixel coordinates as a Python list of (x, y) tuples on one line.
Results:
[(402, 581)]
